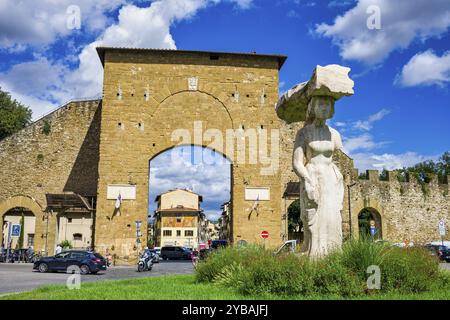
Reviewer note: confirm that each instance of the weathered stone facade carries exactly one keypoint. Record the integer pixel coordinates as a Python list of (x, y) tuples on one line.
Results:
[(148, 94), (58, 153)]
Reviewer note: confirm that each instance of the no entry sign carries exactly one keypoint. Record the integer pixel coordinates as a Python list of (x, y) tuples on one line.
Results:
[(264, 234)]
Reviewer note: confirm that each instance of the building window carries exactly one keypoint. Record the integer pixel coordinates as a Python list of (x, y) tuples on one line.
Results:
[(178, 218), (77, 237), (30, 241), (167, 233), (189, 233), (69, 220), (178, 233)]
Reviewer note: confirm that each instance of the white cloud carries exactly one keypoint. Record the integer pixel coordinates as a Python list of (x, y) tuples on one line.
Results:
[(141, 27), (367, 124), (210, 178), (425, 69), (364, 141), (212, 215), (41, 78), (360, 145), (31, 22), (388, 161), (402, 21)]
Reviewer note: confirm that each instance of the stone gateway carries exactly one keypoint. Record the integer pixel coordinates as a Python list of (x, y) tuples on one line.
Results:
[(68, 167)]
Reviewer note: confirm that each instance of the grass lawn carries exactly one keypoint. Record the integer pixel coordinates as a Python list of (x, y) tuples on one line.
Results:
[(177, 288)]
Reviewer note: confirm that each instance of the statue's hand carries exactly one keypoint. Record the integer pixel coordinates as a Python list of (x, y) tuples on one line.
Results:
[(311, 191)]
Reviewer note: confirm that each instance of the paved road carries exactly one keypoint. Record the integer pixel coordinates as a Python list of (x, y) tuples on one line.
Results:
[(17, 277), (20, 277)]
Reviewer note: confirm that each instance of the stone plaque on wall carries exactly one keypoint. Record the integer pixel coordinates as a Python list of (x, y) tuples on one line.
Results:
[(261, 193), (127, 191)]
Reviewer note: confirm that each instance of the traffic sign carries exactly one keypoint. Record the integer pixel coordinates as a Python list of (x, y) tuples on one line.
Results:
[(15, 230), (264, 234), (442, 228)]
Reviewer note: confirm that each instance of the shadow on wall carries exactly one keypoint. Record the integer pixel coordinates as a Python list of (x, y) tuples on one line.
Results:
[(83, 178)]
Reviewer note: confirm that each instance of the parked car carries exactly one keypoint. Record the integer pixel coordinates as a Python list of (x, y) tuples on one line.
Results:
[(87, 261), (216, 244), (288, 246), (440, 251), (175, 253)]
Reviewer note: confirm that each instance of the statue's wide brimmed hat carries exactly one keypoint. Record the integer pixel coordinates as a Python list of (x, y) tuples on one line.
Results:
[(331, 81)]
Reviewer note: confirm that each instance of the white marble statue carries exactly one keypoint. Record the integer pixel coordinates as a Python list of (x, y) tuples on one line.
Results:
[(321, 183)]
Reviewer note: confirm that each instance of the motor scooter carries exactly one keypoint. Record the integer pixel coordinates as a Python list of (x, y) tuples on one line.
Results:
[(145, 263)]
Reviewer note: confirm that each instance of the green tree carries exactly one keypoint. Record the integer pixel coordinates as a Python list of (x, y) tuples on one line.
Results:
[(424, 171), (294, 215), (13, 115)]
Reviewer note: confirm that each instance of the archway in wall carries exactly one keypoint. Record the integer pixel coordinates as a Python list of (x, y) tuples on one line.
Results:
[(368, 217), (27, 219), (181, 180)]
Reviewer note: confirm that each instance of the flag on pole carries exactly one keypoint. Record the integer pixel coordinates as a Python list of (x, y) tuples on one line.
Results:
[(118, 201), (256, 204)]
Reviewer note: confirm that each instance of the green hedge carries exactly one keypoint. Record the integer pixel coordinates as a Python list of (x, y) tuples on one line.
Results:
[(254, 270)]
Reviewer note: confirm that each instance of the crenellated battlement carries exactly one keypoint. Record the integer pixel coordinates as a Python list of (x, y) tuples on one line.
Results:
[(393, 176), (390, 184)]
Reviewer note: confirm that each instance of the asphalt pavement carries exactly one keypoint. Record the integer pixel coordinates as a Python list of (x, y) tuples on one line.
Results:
[(19, 277)]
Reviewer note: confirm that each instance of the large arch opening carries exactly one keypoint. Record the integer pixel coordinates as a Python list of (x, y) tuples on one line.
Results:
[(190, 197), (27, 220), (369, 223)]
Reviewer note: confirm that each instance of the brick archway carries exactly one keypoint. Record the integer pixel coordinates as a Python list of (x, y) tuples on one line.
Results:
[(369, 213), (23, 201)]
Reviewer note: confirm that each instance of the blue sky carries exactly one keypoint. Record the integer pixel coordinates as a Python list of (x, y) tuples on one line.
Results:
[(398, 116)]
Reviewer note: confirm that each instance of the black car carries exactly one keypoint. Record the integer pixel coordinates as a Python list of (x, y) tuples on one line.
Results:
[(216, 244), (87, 261), (445, 255), (175, 253), (440, 251)]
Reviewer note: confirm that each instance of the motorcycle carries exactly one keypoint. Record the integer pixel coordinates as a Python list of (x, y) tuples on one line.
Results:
[(145, 263)]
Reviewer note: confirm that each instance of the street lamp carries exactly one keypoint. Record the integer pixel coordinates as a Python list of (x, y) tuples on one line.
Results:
[(350, 209)]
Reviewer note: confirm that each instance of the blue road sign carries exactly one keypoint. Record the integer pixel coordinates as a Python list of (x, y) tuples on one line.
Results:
[(15, 230)]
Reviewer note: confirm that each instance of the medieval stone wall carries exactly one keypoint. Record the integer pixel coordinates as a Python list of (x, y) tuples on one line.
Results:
[(55, 154), (149, 95), (409, 210)]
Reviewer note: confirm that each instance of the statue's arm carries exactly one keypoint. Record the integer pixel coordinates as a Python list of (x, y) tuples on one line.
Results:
[(298, 162)]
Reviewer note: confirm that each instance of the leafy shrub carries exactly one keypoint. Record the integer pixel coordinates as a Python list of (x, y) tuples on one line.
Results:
[(358, 255), (408, 270), (253, 270), (225, 257), (65, 244)]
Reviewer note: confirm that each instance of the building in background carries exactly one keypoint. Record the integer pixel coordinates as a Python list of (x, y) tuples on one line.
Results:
[(212, 230), (179, 220), (224, 223)]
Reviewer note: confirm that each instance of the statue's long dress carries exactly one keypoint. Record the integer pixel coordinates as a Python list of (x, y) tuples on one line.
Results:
[(322, 224)]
